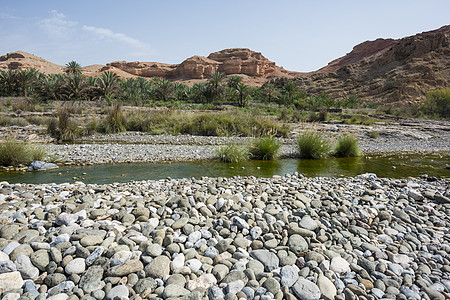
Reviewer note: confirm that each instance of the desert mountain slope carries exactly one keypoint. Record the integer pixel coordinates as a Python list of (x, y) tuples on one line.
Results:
[(387, 71)]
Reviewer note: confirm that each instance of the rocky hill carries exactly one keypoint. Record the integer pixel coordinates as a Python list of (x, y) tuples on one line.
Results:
[(387, 70), (24, 60), (253, 66), (384, 70)]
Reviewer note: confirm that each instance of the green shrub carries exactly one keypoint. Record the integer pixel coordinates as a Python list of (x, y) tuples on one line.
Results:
[(67, 128), (38, 120), (321, 116), (37, 153), (114, 122), (232, 153), (312, 144), (11, 121), (14, 153), (209, 124), (374, 134), (265, 148), (347, 146), (230, 124), (284, 115), (355, 120), (437, 103)]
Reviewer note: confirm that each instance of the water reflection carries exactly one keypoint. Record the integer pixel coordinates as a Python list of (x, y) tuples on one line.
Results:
[(351, 165)]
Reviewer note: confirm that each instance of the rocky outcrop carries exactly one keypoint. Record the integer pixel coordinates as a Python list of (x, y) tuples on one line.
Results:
[(388, 71), (195, 67), (236, 61), (245, 61), (144, 69)]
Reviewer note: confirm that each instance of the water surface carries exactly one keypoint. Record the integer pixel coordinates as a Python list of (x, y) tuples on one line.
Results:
[(394, 166)]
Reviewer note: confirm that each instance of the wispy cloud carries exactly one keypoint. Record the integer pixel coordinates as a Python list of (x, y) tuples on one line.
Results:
[(57, 25), (139, 48), (106, 33), (8, 16)]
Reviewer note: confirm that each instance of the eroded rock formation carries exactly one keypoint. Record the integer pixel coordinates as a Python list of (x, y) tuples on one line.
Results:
[(236, 61)]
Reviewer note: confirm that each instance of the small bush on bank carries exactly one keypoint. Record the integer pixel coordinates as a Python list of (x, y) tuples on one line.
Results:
[(437, 103), (37, 153), (67, 129), (232, 153), (312, 144), (347, 146), (265, 148), (14, 153), (115, 122), (321, 116), (12, 121), (374, 134)]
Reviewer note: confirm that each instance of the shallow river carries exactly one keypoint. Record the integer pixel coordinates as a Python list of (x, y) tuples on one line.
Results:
[(384, 166)]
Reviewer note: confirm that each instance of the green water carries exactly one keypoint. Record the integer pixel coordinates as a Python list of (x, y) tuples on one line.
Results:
[(394, 166)]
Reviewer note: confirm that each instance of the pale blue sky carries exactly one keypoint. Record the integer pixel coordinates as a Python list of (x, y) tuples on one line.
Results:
[(298, 35)]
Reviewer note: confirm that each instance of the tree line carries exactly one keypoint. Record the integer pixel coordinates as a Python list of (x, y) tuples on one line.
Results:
[(73, 85)]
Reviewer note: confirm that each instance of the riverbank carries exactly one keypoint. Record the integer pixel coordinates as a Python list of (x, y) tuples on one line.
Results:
[(284, 237), (138, 147), (404, 135)]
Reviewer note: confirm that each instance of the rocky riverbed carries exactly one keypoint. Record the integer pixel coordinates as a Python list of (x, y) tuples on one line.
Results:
[(286, 237)]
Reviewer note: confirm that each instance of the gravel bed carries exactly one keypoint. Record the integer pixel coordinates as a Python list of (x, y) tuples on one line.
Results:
[(204, 148), (286, 237)]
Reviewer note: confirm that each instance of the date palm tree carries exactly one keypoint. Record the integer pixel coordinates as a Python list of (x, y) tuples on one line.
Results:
[(291, 90), (75, 87), (233, 81), (72, 67), (270, 92), (50, 87), (243, 94), (108, 84), (199, 92), (215, 85), (26, 78), (164, 89), (7, 82)]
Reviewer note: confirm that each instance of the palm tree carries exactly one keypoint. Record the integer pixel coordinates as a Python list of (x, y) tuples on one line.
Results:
[(7, 82), (199, 92), (291, 90), (270, 92), (215, 86), (75, 87), (164, 89), (233, 81), (72, 67), (181, 91), (243, 93), (108, 84), (50, 87), (26, 78)]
